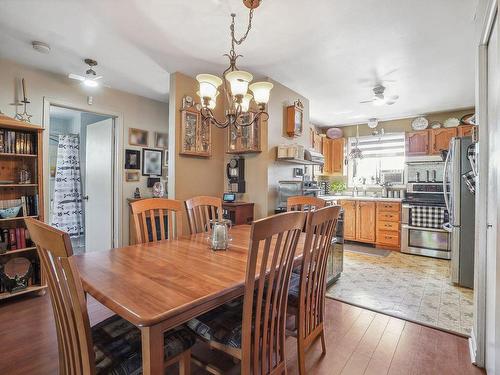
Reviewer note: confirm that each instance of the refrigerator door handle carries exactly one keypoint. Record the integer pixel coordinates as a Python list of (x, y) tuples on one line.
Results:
[(447, 227), (445, 176)]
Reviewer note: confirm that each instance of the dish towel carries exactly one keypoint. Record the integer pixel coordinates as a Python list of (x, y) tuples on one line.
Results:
[(428, 216)]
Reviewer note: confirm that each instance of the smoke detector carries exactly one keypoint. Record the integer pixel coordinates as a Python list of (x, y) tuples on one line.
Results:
[(41, 47)]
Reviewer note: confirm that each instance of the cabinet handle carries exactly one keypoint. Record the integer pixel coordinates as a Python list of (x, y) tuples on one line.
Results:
[(387, 237)]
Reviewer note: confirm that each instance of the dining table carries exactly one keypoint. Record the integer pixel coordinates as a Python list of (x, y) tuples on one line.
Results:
[(160, 285)]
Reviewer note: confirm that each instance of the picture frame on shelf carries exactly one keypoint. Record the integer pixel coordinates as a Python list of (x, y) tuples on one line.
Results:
[(132, 159), (138, 137), (161, 140), (196, 136), (132, 176), (152, 162)]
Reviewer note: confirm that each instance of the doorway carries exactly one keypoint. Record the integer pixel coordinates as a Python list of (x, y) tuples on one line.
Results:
[(81, 177)]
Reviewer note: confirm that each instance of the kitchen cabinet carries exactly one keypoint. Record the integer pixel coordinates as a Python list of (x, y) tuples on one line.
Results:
[(349, 219), (372, 222), (365, 222), (333, 151), (388, 225), (465, 130), (440, 139), (417, 143)]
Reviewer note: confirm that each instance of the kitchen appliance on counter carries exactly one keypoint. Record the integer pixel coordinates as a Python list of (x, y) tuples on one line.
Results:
[(423, 215), (293, 188), (460, 203)]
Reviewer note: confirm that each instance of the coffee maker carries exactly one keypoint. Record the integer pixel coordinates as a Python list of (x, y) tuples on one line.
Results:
[(235, 170)]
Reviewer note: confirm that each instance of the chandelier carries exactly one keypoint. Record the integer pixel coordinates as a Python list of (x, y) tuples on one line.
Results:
[(235, 87)]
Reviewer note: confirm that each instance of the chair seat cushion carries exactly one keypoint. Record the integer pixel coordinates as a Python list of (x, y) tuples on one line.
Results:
[(293, 290), (222, 325), (117, 346)]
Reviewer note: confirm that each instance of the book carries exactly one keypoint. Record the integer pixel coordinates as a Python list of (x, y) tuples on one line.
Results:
[(18, 238), (12, 239)]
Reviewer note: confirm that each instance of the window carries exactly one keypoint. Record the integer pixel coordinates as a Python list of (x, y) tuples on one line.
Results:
[(381, 154)]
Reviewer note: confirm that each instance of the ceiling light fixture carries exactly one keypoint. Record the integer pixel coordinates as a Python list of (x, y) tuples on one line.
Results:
[(41, 47), (91, 78), (235, 86)]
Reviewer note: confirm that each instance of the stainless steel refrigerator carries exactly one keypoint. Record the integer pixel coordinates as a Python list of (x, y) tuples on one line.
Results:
[(460, 203)]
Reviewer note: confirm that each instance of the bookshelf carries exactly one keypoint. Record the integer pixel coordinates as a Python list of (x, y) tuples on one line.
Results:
[(21, 148)]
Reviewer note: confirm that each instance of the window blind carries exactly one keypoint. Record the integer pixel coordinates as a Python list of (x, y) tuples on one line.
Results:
[(387, 145)]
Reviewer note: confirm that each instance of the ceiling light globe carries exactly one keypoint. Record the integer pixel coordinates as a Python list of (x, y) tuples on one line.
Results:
[(90, 83), (245, 102), (261, 91), (239, 80), (208, 85), (212, 102)]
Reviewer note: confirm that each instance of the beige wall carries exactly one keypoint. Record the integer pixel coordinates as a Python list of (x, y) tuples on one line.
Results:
[(402, 125), (190, 175), (135, 112)]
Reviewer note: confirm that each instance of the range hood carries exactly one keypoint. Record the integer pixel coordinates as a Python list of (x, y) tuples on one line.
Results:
[(314, 156)]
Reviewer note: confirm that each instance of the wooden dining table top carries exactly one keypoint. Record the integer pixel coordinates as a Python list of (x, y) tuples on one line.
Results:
[(171, 279)]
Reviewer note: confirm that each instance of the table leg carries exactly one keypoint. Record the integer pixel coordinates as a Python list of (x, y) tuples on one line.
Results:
[(152, 350)]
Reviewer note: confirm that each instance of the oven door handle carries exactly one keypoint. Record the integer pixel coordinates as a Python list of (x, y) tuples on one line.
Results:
[(407, 227)]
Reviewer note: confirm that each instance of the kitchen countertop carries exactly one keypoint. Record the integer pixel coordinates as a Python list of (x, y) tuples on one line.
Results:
[(359, 198)]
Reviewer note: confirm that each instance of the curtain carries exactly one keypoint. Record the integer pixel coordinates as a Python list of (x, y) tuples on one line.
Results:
[(67, 213)]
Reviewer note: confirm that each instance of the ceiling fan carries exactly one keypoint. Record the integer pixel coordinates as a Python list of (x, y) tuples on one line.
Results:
[(379, 98), (90, 79)]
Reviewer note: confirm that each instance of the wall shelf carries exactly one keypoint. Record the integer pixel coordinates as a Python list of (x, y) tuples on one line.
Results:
[(17, 218), (299, 161)]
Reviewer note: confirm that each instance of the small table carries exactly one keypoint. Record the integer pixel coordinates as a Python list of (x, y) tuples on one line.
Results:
[(238, 212)]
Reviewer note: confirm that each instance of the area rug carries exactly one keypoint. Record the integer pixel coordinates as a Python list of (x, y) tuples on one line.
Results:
[(406, 286)]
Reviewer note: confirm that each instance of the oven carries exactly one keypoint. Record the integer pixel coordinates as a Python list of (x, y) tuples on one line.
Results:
[(423, 216)]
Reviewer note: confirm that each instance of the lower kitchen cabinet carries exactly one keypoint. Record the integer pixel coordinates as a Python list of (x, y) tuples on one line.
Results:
[(359, 220), (372, 222)]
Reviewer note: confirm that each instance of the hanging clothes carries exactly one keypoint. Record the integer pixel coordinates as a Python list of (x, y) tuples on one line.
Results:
[(67, 213)]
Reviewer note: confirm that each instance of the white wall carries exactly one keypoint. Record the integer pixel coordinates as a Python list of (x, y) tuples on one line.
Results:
[(135, 111)]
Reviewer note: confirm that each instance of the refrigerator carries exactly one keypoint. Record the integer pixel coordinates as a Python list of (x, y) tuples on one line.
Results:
[(460, 203)]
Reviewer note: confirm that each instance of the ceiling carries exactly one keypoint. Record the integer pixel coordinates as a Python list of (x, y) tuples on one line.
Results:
[(328, 52)]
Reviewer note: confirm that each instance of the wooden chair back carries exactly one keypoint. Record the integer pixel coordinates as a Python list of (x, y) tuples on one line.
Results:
[(201, 210), (157, 219), (320, 229), (304, 203), (76, 354), (273, 242)]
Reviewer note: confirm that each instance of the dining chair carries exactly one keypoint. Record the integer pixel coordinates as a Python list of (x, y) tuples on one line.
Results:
[(157, 219), (201, 210), (306, 296), (252, 329), (303, 202), (112, 346)]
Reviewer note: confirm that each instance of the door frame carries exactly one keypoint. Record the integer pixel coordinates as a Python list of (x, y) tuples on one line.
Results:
[(117, 157), (477, 341)]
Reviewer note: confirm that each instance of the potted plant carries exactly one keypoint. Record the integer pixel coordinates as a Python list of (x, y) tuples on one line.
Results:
[(338, 187)]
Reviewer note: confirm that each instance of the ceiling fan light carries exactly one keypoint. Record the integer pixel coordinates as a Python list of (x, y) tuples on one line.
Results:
[(378, 101), (239, 80), (90, 83), (261, 91), (208, 85), (245, 102)]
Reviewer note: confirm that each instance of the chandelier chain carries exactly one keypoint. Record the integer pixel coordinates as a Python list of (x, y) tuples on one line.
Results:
[(234, 40)]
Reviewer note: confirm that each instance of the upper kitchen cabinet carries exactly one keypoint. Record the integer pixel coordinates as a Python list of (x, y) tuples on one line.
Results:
[(333, 151), (316, 141), (440, 139), (465, 130), (417, 143)]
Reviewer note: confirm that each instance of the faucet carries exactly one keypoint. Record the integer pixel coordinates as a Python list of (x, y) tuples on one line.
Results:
[(355, 191)]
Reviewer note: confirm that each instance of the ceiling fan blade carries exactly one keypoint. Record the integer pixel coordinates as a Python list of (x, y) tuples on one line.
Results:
[(76, 76), (367, 101), (390, 102), (393, 97), (97, 78)]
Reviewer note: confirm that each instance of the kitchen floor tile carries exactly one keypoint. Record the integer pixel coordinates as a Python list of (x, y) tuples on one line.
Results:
[(404, 285)]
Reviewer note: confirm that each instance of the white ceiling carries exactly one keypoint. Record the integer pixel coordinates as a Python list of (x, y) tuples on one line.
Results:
[(324, 49)]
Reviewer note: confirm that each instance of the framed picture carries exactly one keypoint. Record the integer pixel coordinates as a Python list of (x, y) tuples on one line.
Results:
[(132, 159), (151, 162), (132, 176), (244, 139), (161, 140), (138, 137), (165, 158), (195, 135)]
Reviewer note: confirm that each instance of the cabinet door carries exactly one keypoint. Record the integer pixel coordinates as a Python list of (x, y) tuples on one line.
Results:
[(417, 143), (440, 139), (338, 155), (365, 222), (327, 153), (349, 219), (465, 130)]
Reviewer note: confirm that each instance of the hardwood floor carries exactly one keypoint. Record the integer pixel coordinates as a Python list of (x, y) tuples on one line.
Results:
[(358, 342)]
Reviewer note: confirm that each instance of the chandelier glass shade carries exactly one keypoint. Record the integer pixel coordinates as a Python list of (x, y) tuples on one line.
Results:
[(235, 85)]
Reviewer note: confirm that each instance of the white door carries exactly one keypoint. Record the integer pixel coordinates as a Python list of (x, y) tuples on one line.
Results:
[(492, 245), (99, 186)]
